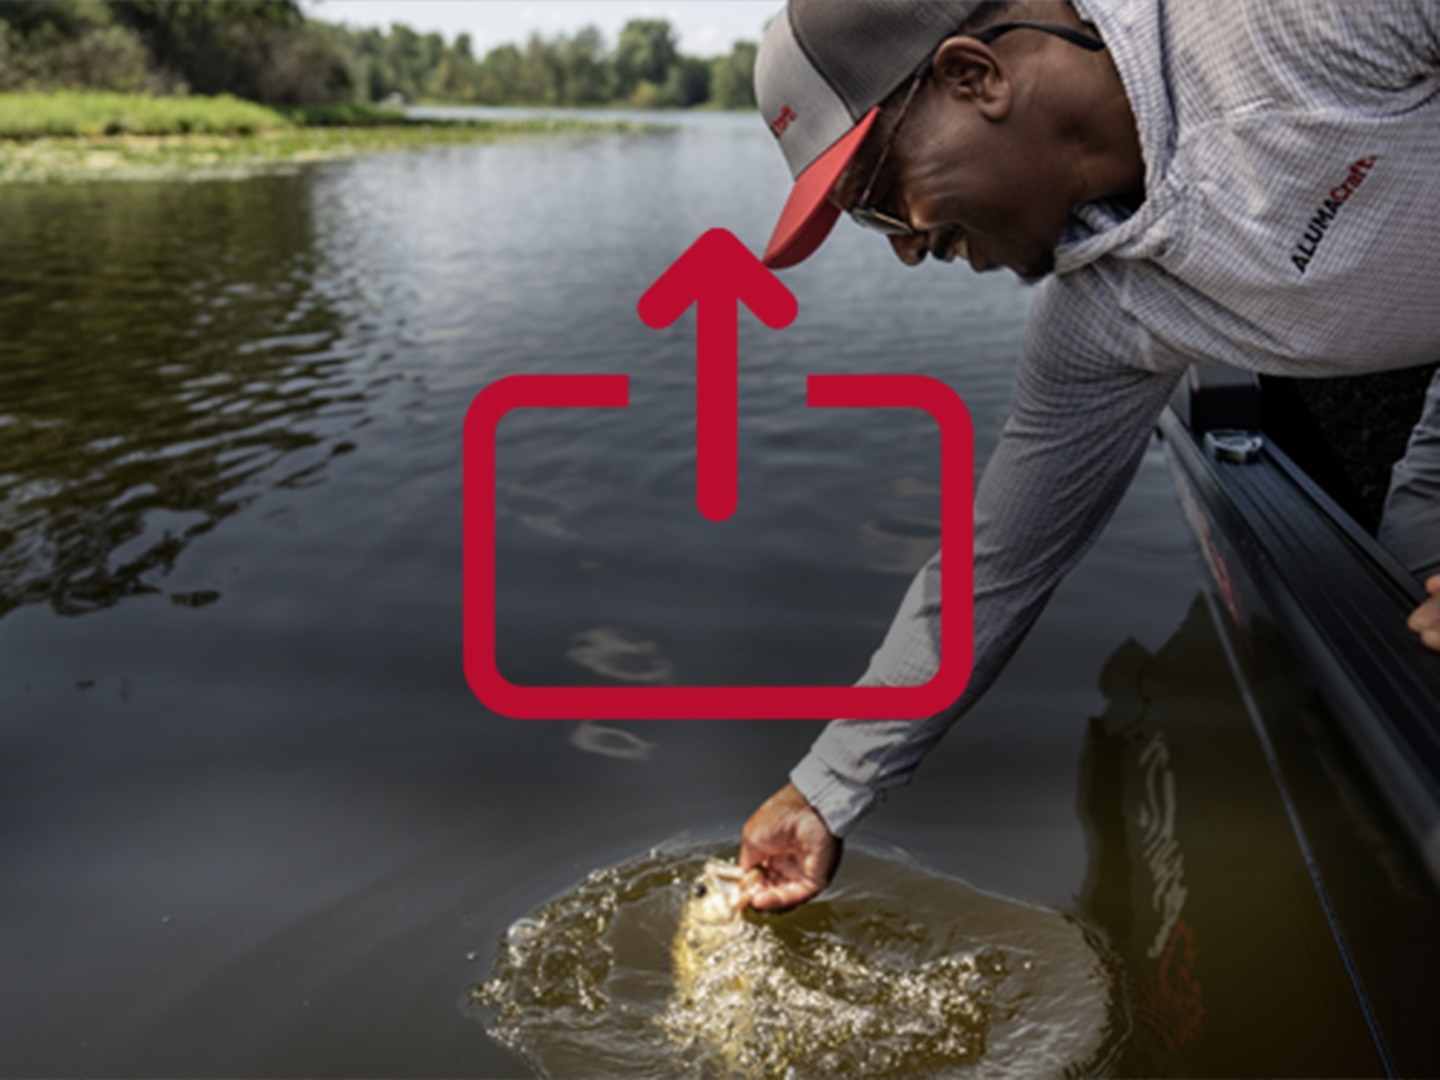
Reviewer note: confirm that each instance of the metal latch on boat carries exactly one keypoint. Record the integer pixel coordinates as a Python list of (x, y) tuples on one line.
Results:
[(1232, 445)]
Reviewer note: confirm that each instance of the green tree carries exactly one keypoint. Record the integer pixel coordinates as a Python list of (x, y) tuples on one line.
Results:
[(500, 76), (305, 67), (645, 53), (432, 52), (732, 77), (214, 48), (71, 45), (645, 69), (261, 50), (404, 56), (687, 84), (589, 78), (541, 73), (456, 76), (65, 19), (372, 71)]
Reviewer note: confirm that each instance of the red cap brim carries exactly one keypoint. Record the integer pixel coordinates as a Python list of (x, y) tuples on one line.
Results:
[(809, 215)]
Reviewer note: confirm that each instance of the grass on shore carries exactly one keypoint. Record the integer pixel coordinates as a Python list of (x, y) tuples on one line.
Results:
[(71, 113), (80, 136)]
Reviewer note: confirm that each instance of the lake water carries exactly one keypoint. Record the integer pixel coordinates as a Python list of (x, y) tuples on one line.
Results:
[(252, 820)]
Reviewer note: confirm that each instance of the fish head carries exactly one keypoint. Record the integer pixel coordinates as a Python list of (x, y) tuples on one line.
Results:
[(714, 904)]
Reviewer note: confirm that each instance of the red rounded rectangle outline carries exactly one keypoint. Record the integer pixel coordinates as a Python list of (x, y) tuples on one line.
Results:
[(957, 544)]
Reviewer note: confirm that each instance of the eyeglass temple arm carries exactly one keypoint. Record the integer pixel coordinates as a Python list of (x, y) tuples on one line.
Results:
[(1075, 37)]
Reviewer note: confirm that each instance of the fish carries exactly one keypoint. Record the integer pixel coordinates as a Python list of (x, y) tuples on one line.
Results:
[(713, 917), (723, 963)]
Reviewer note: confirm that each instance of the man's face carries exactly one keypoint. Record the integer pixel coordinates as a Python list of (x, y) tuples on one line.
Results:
[(970, 188)]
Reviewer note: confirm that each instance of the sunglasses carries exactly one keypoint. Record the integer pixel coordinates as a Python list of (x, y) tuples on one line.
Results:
[(879, 220)]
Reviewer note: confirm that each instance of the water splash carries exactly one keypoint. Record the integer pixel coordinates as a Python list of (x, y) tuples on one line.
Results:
[(896, 971), (760, 1009)]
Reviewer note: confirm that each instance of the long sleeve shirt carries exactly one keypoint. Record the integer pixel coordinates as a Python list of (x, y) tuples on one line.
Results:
[(1290, 221)]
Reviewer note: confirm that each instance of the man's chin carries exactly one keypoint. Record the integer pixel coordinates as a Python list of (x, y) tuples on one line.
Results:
[(1039, 270)]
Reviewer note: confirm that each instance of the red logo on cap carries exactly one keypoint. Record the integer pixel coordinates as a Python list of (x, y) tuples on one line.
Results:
[(782, 121)]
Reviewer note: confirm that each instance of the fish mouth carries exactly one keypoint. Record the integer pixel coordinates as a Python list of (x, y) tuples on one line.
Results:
[(729, 877), (721, 891), (727, 872)]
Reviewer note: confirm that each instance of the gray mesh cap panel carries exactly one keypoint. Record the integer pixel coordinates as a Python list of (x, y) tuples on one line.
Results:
[(802, 109), (824, 64), (866, 48)]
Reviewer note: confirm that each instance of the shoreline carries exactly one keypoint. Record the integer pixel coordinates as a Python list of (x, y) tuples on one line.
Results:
[(68, 136)]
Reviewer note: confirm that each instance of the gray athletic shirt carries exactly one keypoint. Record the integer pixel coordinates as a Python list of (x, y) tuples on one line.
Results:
[(1292, 180)]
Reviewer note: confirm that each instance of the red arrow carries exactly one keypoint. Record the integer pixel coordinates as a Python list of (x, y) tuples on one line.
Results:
[(716, 274)]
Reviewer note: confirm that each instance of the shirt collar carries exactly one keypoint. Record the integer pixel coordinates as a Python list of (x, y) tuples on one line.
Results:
[(1133, 32)]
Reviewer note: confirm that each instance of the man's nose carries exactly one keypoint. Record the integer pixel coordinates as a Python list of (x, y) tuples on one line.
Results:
[(911, 249)]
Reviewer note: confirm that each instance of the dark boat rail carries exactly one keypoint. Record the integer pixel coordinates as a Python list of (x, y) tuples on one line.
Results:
[(1339, 597)]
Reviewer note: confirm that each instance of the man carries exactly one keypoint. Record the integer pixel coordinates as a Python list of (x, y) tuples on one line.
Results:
[(1250, 182)]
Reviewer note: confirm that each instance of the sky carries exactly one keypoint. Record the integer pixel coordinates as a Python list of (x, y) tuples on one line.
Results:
[(705, 27)]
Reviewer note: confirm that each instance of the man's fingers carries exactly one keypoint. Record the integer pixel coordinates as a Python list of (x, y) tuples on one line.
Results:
[(1429, 628), (786, 894), (1425, 620), (752, 881), (786, 852)]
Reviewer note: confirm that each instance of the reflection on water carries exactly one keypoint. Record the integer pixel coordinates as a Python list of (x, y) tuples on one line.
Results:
[(894, 972), (1196, 881), (609, 741), (622, 655), (166, 354)]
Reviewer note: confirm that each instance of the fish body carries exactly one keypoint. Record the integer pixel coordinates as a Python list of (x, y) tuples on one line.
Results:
[(712, 918), (725, 970)]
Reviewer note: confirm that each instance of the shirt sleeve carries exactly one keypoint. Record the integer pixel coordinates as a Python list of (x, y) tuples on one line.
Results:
[(1089, 388)]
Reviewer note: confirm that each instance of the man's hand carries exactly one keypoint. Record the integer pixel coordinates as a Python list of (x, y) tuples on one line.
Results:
[(1425, 620), (788, 843)]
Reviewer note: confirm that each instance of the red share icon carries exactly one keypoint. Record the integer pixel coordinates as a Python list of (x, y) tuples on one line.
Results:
[(716, 275)]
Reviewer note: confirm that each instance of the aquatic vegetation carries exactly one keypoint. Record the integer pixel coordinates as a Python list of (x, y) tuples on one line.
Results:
[(86, 136)]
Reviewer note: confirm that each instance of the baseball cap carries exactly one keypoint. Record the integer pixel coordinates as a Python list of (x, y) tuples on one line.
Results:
[(823, 69)]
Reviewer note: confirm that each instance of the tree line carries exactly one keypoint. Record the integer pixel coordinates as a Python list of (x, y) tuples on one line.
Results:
[(268, 51)]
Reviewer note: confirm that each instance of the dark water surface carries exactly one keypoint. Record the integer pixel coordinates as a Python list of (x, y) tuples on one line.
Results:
[(252, 821)]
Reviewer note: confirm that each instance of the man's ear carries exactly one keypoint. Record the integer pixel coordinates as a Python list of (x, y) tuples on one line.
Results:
[(971, 71)]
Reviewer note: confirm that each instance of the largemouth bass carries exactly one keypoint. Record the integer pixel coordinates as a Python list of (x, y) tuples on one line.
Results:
[(724, 966), (713, 917)]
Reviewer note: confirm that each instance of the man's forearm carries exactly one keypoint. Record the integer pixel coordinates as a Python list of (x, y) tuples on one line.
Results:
[(1081, 421)]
